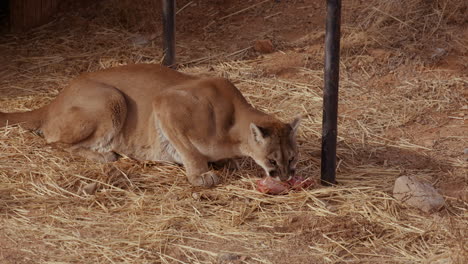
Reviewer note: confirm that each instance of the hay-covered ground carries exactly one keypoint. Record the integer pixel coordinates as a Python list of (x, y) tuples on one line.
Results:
[(403, 108)]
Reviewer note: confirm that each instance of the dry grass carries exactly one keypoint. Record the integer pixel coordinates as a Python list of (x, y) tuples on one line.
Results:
[(145, 212)]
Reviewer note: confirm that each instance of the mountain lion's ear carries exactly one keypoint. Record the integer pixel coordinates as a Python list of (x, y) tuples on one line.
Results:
[(258, 133), (295, 125)]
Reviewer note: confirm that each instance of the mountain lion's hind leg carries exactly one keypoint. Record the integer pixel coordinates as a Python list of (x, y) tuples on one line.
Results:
[(87, 120)]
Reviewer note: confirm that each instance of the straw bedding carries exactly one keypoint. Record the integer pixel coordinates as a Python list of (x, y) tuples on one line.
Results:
[(402, 112)]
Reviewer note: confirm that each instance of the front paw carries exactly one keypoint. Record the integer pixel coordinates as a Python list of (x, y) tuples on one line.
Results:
[(207, 179)]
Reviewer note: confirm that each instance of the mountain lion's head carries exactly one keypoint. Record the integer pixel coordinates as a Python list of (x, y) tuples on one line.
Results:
[(274, 148)]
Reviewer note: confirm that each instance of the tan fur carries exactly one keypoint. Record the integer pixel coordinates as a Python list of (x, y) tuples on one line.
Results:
[(149, 112)]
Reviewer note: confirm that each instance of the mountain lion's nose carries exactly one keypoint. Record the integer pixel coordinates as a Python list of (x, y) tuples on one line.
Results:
[(284, 177), (292, 172)]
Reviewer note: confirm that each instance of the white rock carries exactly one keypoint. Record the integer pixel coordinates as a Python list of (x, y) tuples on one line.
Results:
[(418, 194), (196, 196), (141, 40), (441, 261), (438, 52), (90, 188)]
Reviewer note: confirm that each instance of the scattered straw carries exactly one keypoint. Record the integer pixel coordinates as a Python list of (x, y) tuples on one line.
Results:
[(146, 212)]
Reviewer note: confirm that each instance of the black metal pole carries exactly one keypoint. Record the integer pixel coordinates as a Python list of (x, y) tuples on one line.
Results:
[(168, 32), (330, 92)]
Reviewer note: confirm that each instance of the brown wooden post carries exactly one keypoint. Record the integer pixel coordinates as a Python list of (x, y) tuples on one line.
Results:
[(26, 14), (330, 92), (168, 7)]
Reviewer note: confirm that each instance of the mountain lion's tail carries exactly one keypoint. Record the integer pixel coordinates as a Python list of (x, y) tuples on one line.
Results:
[(31, 120)]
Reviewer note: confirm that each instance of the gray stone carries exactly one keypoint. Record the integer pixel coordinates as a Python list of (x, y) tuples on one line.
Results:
[(438, 52), (416, 193), (142, 40), (228, 258)]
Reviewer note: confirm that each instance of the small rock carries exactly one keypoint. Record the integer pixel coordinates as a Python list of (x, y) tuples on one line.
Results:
[(418, 194), (428, 143), (331, 208), (142, 40), (90, 188), (196, 196), (438, 52), (444, 259), (263, 46), (228, 257), (172, 196)]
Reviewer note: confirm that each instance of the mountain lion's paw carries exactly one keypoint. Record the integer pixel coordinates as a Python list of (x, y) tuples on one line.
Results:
[(207, 179)]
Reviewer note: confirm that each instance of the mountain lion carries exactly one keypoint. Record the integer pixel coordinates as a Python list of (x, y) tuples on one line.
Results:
[(150, 112)]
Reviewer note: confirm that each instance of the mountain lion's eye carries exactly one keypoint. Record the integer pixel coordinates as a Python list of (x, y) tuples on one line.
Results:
[(291, 159), (272, 162)]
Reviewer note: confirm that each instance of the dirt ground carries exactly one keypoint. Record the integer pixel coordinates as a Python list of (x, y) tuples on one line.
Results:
[(403, 110)]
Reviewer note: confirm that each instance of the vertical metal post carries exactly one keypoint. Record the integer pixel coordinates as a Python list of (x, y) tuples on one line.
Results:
[(330, 92), (168, 32)]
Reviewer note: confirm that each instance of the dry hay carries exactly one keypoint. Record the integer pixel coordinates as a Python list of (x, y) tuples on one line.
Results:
[(145, 212)]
